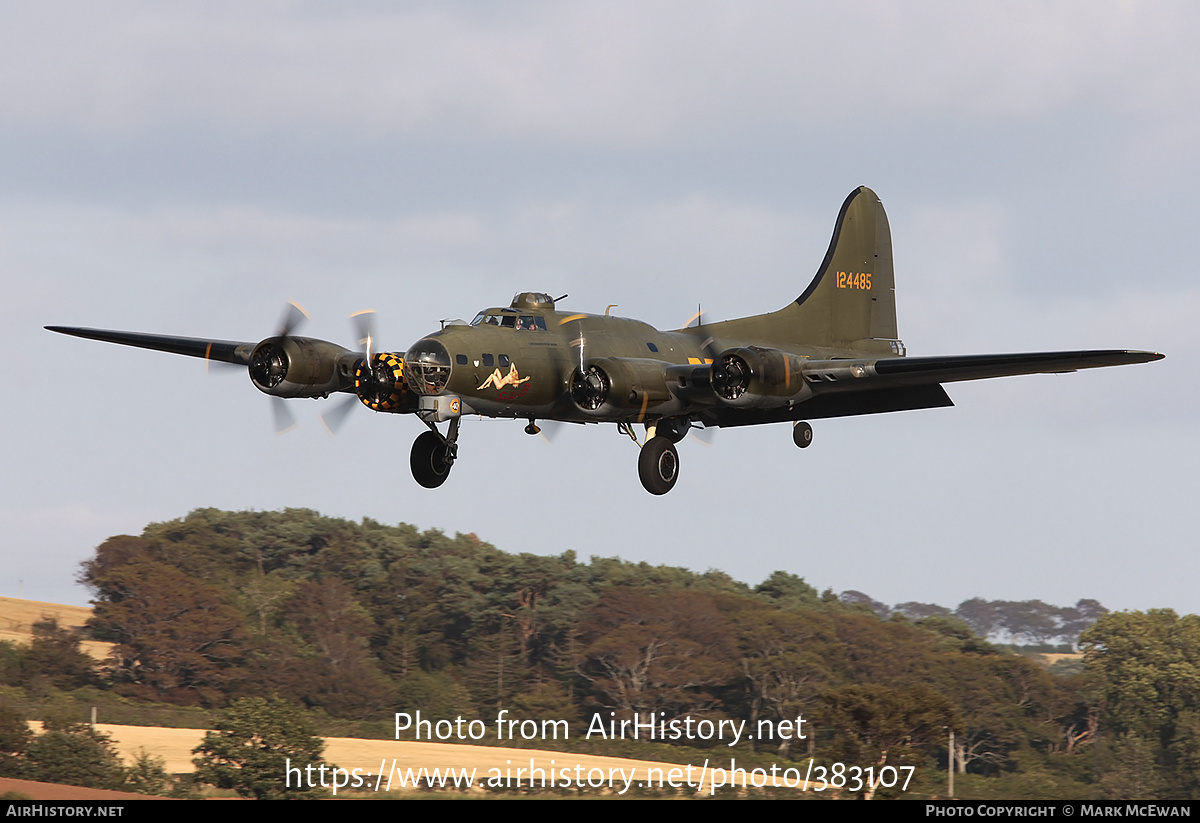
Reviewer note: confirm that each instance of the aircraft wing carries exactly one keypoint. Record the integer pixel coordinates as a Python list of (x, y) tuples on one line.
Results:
[(226, 351), (912, 371), (848, 387)]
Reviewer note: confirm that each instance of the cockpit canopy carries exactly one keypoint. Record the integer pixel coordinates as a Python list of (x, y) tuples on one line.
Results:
[(510, 319), (518, 316)]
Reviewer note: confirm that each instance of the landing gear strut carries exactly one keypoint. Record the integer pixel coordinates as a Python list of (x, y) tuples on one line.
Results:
[(433, 455), (658, 465)]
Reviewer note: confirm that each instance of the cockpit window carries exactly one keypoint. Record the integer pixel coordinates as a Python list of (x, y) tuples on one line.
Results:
[(508, 320)]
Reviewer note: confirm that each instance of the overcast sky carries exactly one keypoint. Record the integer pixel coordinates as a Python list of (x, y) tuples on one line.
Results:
[(187, 168)]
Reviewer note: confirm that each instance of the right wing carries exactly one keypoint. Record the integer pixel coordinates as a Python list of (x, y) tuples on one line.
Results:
[(226, 351)]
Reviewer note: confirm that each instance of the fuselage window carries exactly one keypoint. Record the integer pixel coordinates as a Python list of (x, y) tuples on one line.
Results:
[(652, 347), (504, 361), (508, 321), (488, 360), (461, 359)]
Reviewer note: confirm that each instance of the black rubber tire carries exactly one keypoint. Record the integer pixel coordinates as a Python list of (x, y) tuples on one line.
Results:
[(430, 460), (658, 465), (802, 434)]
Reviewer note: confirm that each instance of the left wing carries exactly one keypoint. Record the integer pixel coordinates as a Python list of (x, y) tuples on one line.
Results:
[(755, 385), (913, 371)]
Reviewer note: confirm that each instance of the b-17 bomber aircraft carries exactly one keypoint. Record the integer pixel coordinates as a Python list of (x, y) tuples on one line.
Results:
[(832, 352)]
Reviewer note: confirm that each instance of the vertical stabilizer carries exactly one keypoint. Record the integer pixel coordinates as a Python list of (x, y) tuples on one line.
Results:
[(851, 302)]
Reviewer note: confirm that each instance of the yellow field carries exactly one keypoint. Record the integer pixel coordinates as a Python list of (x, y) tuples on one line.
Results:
[(176, 745), (18, 616)]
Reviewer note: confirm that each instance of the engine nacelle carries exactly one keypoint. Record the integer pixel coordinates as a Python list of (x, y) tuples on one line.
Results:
[(301, 367), (617, 387), (753, 377)]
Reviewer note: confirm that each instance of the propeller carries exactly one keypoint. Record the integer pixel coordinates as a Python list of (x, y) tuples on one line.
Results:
[(378, 377), (269, 364), (293, 317), (336, 415), (589, 384), (364, 325), (707, 344), (282, 417), (364, 329)]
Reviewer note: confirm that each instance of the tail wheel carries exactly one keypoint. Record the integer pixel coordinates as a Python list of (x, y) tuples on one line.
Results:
[(658, 465), (802, 434), (431, 460)]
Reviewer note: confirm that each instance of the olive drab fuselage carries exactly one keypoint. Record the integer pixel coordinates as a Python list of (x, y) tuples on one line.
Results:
[(527, 372)]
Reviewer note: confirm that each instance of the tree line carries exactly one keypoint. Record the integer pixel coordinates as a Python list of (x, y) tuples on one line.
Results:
[(1023, 622), (360, 620)]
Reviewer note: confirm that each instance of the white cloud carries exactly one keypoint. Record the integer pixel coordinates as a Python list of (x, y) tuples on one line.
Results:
[(609, 74)]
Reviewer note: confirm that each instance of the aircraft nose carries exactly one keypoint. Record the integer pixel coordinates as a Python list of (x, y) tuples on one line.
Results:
[(427, 367)]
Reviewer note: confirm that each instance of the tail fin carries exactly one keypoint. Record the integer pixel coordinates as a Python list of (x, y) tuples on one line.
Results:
[(851, 303)]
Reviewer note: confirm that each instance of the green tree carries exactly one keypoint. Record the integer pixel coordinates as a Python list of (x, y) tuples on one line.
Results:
[(54, 657), (260, 747), (334, 669), (1144, 668), (788, 592), (1143, 671), (148, 775), (14, 737), (878, 721), (76, 755), (1128, 770)]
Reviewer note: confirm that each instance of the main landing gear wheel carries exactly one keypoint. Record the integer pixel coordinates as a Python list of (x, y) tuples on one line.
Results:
[(431, 460), (802, 434), (658, 465)]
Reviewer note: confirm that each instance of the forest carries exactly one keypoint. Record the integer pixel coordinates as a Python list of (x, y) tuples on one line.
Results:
[(357, 621)]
